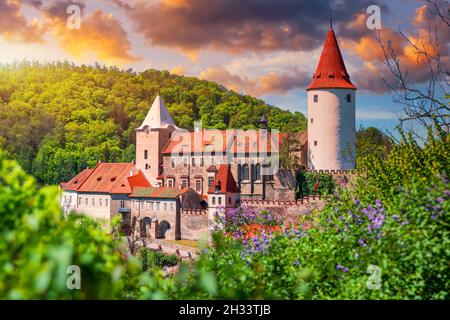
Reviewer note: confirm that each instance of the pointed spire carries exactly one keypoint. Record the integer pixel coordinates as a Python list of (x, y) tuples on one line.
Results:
[(158, 116), (331, 71), (263, 121), (331, 22)]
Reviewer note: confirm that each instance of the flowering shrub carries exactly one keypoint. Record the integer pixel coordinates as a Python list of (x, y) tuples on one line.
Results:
[(233, 220)]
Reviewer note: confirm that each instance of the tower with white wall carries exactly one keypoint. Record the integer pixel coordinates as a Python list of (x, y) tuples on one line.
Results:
[(151, 137), (331, 112)]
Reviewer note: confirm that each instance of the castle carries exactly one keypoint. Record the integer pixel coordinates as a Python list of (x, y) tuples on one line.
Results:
[(180, 178)]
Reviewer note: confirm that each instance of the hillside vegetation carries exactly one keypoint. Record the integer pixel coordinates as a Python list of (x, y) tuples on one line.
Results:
[(56, 119)]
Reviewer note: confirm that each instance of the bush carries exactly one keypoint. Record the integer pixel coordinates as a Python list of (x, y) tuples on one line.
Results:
[(151, 258), (306, 182), (37, 245)]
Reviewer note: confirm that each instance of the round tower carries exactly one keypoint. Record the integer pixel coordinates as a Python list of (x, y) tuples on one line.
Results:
[(331, 112)]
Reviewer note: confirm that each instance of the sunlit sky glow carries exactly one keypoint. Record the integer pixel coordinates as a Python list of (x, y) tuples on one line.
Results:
[(268, 49)]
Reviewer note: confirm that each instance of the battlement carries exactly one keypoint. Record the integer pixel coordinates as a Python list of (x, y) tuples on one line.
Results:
[(352, 171), (281, 203), (194, 211)]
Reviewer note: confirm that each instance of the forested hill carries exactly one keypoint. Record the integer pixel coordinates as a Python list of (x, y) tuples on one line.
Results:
[(56, 119)]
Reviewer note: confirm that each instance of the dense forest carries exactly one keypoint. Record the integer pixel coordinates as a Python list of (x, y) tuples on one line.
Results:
[(58, 118)]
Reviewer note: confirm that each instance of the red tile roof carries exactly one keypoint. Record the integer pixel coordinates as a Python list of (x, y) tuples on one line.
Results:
[(138, 180), (331, 71), (76, 181), (224, 181), (115, 178), (220, 141)]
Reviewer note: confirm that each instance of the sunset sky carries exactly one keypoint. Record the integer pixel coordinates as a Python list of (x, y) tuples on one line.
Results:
[(266, 48)]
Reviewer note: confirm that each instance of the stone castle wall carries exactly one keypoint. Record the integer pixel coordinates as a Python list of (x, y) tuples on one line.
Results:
[(194, 224)]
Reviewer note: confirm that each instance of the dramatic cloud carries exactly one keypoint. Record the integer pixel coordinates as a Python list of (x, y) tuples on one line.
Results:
[(100, 34), (235, 25), (430, 35), (15, 27), (268, 83)]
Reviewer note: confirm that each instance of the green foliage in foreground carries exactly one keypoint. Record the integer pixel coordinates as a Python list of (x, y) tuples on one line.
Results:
[(37, 245), (56, 119)]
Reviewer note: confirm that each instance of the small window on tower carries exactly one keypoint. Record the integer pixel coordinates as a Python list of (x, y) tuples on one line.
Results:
[(316, 98), (315, 142), (145, 154), (312, 120), (349, 98)]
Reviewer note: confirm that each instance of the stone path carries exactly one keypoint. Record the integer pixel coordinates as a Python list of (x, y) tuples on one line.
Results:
[(183, 251)]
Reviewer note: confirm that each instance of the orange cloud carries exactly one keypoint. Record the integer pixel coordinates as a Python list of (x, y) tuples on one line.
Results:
[(100, 34), (407, 48), (14, 26), (179, 70), (279, 83)]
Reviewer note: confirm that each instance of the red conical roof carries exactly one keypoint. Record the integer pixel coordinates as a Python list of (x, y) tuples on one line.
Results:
[(331, 71)]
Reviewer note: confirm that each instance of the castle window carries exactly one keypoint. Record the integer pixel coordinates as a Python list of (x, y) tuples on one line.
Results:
[(219, 200), (316, 98), (173, 162), (198, 185), (165, 206), (184, 183), (122, 204), (349, 98), (212, 160), (312, 120), (100, 202), (79, 201), (210, 182), (245, 173), (258, 172), (171, 206), (202, 162), (145, 154), (106, 202), (315, 142), (86, 201), (185, 162), (93, 202), (229, 200), (170, 183), (146, 166), (193, 161), (213, 200), (157, 206)]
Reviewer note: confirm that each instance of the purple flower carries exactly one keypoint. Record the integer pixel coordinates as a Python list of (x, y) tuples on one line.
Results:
[(440, 200), (296, 263), (378, 203), (341, 268), (362, 243), (357, 201)]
